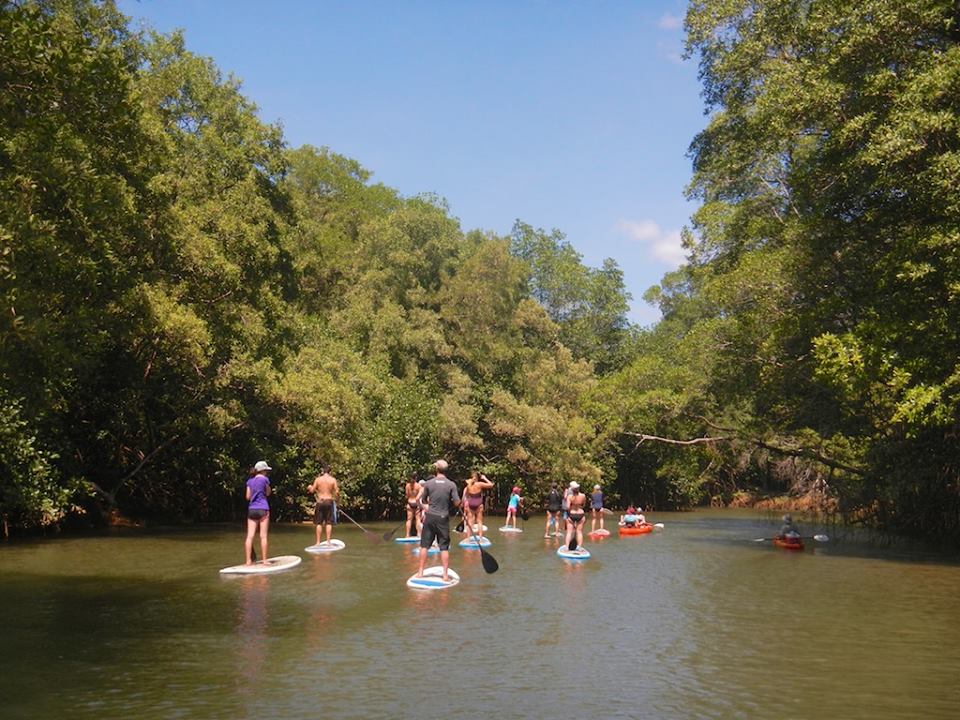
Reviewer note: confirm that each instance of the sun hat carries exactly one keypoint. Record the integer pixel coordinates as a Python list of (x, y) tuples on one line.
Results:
[(261, 466), (596, 487), (574, 485)]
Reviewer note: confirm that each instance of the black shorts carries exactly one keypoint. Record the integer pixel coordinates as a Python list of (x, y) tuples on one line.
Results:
[(257, 513), (323, 513), (435, 528)]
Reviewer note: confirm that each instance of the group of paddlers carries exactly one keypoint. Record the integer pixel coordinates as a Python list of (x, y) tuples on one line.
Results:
[(428, 507)]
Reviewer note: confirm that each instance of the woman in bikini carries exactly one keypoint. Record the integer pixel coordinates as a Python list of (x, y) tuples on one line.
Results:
[(412, 489), (576, 515), (473, 502)]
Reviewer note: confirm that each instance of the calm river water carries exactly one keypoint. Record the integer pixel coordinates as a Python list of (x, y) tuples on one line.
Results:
[(695, 621)]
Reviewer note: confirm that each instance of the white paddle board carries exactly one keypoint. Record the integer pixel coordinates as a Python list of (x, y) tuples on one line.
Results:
[(414, 539), (326, 547), (432, 550), (602, 532), (270, 565), (581, 553), (476, 528), (475, 542), (508, 528), (433, 579)]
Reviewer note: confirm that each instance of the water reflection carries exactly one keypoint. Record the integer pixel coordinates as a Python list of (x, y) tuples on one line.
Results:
[(252, 624)]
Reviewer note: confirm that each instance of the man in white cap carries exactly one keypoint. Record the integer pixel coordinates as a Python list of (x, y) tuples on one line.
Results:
[(440, 495)]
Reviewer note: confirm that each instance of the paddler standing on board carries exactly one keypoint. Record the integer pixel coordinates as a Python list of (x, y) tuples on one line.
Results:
[(411, 490), (325, 490), (258, 510), (596, 506), (441, 496), (576, 515)]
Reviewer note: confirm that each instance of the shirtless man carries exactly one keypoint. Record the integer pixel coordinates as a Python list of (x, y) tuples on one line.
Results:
[(326, 490)]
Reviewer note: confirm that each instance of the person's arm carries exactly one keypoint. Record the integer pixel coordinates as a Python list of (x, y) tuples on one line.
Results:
[(268, 489), (336, 489), (455, 495), (248, 494)]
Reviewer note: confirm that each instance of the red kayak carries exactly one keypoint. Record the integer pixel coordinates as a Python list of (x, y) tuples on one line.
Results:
[(636, 529), (788, 544)]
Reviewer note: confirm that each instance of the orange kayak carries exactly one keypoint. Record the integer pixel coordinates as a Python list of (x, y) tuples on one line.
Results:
[(636, 530), (788, 544)]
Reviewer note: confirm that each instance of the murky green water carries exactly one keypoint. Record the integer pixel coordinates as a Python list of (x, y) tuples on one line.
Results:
[(694, 622)]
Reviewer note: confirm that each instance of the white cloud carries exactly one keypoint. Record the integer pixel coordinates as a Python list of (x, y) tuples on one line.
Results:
[(670, 22), (665, 246)]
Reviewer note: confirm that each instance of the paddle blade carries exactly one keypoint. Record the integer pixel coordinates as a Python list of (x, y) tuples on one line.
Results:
[(658, 526), (762, 539), (573, 543), (459, 527), (821, 538), (489, 562)]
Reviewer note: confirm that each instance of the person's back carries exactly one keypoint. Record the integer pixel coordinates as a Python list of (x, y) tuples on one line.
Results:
[(324, 487), (440, 495)]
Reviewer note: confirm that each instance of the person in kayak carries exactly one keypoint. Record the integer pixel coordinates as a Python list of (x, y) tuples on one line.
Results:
[(554, 507), (473, 502), (576, 515), (629, 518), (788, 531), (596, 508)]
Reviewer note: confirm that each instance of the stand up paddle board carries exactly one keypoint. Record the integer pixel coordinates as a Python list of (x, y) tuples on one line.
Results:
[(270, 565), (581, 553), (433, 579), (602, 532), (508, 528), (474, 543), (476, 528), (432, 550), (414, 539), (326, 547)]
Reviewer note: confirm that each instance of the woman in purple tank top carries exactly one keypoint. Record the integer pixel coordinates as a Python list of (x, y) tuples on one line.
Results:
[(258, 510)]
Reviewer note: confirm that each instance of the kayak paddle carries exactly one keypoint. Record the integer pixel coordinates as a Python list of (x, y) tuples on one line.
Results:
[(818, 538)]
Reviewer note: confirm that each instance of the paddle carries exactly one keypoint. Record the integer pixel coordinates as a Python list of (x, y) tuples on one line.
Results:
[(818, 538), (490, 564), (388, 536), (372, 537)]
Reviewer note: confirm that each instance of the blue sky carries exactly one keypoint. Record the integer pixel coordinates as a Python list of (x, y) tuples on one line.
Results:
[(566, 114)]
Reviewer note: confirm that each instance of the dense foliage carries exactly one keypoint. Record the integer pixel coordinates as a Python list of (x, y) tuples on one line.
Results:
[(183, 294)]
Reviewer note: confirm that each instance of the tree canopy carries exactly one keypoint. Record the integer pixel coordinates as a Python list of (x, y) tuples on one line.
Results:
[(183, 293)]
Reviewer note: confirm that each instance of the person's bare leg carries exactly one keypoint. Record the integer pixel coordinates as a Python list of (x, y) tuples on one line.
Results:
[(248, 543), (264, 531), (479, 516), (445, 561), (423, 560), (329, 527)]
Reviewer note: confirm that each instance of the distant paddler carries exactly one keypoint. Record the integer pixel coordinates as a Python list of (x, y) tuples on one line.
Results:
[(411, 490), (258, 510), (596, 508), (473, 502), (576, 516), (326, 491)]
